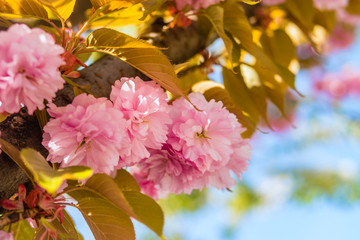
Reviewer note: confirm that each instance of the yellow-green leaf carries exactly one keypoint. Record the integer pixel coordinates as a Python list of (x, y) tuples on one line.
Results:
[(106, 221), (279, 46), (47, 177), (353, 7), (237, 23), (107, 188), (139, 54), (22, 230), (146, 210), (126, 182), (251, 100), (303, 11), (251, 2), (215, 14), (62, 8), (114, 4), (22, 8)]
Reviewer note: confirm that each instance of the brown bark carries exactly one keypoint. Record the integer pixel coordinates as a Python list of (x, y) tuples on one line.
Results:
[(22, 130)]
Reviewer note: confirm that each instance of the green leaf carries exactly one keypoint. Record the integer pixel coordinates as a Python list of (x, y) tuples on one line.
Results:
[(134, 203), (107, 188), (237, 23), (327, 19), (251, 2), (150, 6), (14, 154), (126, 182), (215, 14), (114, 4), (251, 100), (106, 221), (139, 54), (3, 116), (62, 8), (279, 46), (146, 210), (303, 11), (22, 230), (22, 8), (48, 178), (353, 7)]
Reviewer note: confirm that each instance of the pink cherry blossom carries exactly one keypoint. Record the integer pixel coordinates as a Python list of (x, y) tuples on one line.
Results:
[(146, 110), (6, 235), (340, 84), (272, 2), (196, 5), (89, 132), (330, 5), (202, 149), (345, 17), (340, 38), (29, 68)]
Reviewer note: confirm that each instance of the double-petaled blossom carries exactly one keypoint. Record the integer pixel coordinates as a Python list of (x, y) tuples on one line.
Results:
[(330, 5), (196, 5), (202, 149), (6, 235), (29, 68), (272, 2), (146, 111), (89, 132)]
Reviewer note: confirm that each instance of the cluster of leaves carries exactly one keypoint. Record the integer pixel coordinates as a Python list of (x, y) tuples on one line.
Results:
[(106, 203)]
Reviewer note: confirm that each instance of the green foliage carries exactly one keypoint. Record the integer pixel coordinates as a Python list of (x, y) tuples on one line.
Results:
[(139, 54), (48, 178), (22, 9), (62, 8), (22, 230), (102, 190)]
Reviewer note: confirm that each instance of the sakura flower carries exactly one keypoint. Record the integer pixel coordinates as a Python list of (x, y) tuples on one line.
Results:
[(29, 68), (89, 132), (202, 149), (330, 5), (345, 17), (4, 235), (196, 5), (272, 2), (146, 110)]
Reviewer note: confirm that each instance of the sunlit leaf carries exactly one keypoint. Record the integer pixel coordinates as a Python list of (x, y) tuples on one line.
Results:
[(23, 8), (251, 100), (237, 23), (63, 8), (303, 11), (150, 6), (251, 2), (22, 230), (146, 210), (114, 4), (139, 54), (47, 177), (105, 219), (134, 203), (126, 182), (279, 46), (215, 14), (353, 7)]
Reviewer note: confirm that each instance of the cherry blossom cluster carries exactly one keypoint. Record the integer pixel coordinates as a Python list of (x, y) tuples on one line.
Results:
[(29, 68), (340, 84), (195, 5), (171, 148)]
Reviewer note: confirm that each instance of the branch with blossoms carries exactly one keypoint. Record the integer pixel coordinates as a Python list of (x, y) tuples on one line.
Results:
[(173, 133)]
